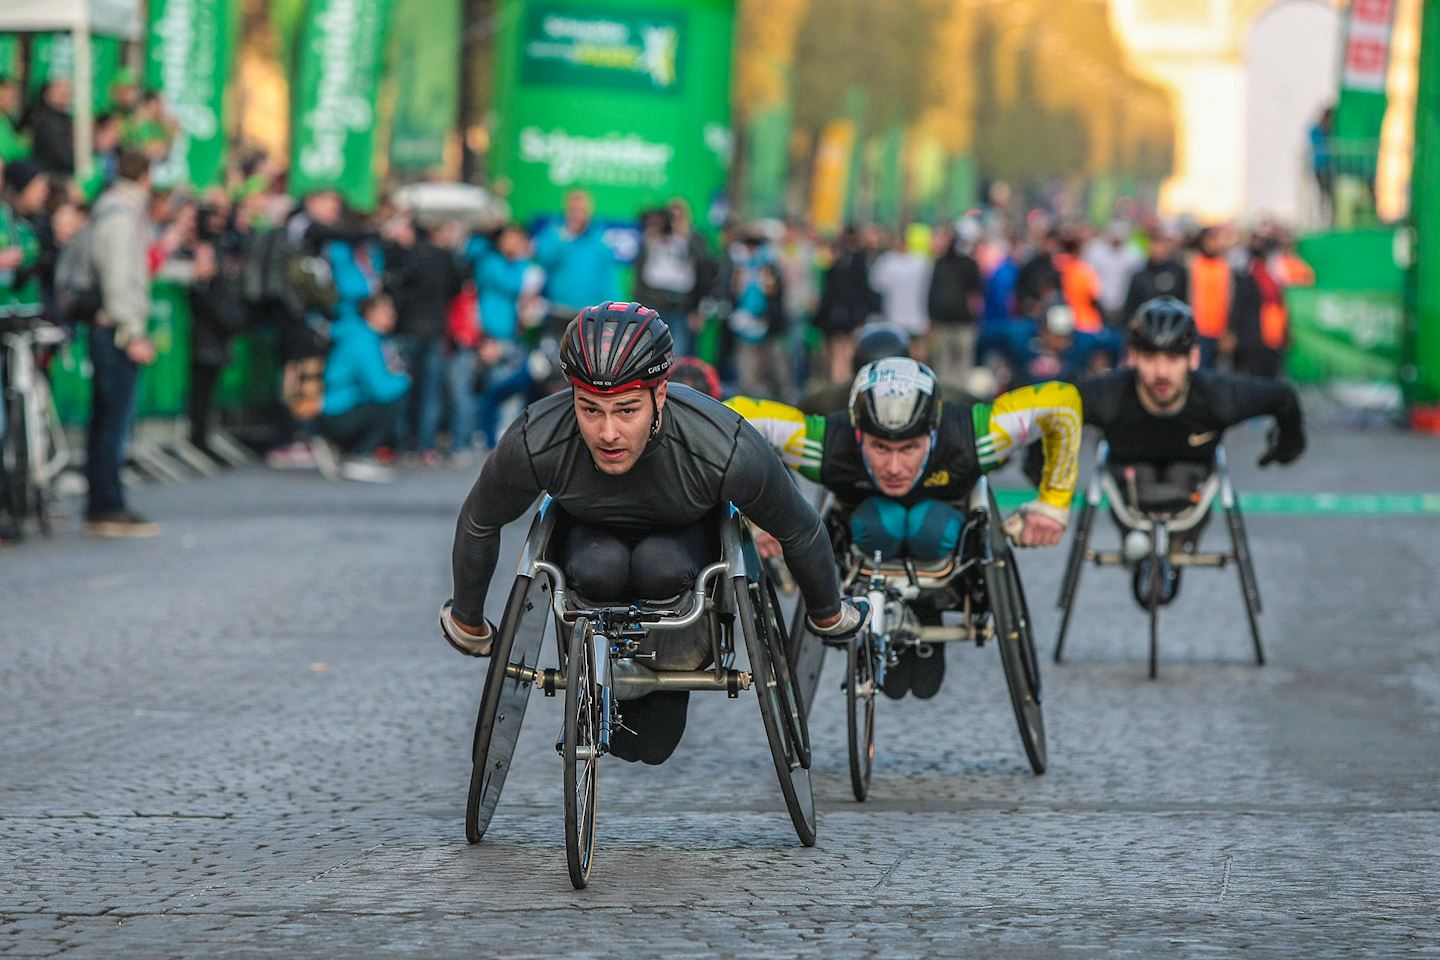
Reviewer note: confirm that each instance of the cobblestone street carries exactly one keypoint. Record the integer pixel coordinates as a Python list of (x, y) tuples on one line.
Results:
[(247, 739)]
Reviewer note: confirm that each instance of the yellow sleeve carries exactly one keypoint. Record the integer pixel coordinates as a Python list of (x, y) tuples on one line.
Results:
[(796, 437), (1048, 411)]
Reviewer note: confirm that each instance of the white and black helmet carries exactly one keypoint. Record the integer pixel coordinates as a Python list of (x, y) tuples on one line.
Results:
[(895, 398)]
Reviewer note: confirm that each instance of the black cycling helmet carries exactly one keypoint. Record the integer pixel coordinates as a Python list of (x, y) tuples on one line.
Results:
[(895, 398), (876, 341), (1163, 325), (612, 347)]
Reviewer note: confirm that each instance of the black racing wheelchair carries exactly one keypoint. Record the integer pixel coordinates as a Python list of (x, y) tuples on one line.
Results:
[(980, 582), (608, 655), (1161, 517)]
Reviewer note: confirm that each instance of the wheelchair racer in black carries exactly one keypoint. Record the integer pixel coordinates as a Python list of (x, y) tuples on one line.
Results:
[(901, 464), (1163, 416), (639, 468)]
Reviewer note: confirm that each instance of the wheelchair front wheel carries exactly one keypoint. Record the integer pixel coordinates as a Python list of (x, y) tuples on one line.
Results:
[(860, 711), (581, 754), (767, 678), (1249, 587)]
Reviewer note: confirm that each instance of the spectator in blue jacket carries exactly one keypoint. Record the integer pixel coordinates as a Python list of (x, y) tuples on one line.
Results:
[(365, 389), (579, 266), (503, 275)]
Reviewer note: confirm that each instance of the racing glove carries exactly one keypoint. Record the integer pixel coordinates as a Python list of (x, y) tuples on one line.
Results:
[(470, 644), (1283, 449), (854, 611), (1015, 525)]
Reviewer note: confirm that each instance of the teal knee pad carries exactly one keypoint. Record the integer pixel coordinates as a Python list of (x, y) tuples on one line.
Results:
[(932, 530), (879, 524)]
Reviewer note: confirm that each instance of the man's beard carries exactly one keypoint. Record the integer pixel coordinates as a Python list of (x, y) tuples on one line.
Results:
[(1175, 401)]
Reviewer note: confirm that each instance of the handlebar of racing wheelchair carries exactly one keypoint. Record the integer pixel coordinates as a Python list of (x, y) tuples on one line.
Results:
[(657, 620)]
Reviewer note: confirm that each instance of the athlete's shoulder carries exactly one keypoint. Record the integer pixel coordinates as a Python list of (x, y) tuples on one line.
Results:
[(1101, 397), (549, 420)]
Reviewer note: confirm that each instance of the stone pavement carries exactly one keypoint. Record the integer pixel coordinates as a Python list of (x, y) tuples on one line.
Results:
[(246, 739)]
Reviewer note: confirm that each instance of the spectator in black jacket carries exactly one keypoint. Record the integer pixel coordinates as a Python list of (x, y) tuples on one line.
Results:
[(216, 316), (672, 271), (847, 301), (52, 129), (1162, 276), (422, 277), (957, 291)]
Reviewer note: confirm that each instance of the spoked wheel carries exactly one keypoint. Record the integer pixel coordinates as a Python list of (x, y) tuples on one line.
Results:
[(17, 460), (860, 711), (581, 754), (1015, 636), (769, 677), (1074, 564), (1249, 587), (507, 693)]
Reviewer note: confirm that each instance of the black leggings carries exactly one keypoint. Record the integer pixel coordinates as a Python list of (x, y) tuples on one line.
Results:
[(605, 568)]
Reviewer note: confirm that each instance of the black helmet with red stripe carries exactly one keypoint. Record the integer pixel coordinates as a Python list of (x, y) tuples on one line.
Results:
[(612, 347)]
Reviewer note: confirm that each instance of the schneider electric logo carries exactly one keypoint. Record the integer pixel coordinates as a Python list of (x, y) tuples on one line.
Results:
[(611, 160)]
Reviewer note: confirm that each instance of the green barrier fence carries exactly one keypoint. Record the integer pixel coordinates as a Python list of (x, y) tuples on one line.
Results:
[(250, 381), (1348, 326)]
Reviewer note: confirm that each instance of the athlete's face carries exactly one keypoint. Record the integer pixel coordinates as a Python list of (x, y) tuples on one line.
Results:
[(895, 464), (617, 428), (1163, 378)]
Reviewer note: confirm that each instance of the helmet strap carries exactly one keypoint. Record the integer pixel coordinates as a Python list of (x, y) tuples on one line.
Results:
[(655, 420)]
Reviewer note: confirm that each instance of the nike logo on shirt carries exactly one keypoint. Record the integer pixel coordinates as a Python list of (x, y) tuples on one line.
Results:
[(1200, 439)]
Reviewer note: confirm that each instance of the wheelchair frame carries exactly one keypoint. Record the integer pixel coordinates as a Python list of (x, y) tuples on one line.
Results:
[(1167, 551), (993, 606), (598, 652)]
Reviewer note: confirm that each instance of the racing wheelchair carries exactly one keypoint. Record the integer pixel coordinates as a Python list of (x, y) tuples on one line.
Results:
[(1161, 521), (603, 654), (980, 582)]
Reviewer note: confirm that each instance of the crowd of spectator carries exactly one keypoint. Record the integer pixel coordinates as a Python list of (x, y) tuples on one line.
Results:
[(409, 339)]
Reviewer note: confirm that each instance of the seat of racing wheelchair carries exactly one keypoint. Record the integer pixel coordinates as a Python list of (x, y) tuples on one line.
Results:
[(925, 574)]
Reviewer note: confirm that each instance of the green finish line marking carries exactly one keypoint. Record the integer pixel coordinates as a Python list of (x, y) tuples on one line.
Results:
[(1301, 504)]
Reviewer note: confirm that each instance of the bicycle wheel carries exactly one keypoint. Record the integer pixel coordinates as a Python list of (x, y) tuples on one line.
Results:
[(1249, 587), (581, 754), (860, 711), (17, 460), (766, 681)]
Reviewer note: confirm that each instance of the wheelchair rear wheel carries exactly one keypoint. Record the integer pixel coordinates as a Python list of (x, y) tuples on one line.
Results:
[(860, 711), (1074, 565), (581, 753), (774, 687), (507, 693), (1249, 587), (1014, 634)]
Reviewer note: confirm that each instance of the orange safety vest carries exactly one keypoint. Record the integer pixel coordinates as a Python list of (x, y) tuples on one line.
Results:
[(1080, 285), (1210, 291)]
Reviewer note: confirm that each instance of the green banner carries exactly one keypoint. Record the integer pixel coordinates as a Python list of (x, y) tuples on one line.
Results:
[(425, 68), (338, 75), (1348, 326), (188, 60), (9, 56), (629, 102), (615, 48), (767, 168), (1421, 373), (52, 56)]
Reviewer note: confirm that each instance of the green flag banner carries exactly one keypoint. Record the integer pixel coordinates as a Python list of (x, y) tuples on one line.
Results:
[(628, 101), (333, 97), (9, 56), (188, 61), (52, 57), (425, 58)]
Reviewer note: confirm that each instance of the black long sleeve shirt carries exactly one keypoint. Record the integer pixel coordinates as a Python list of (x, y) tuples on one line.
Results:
[(703, 455)]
